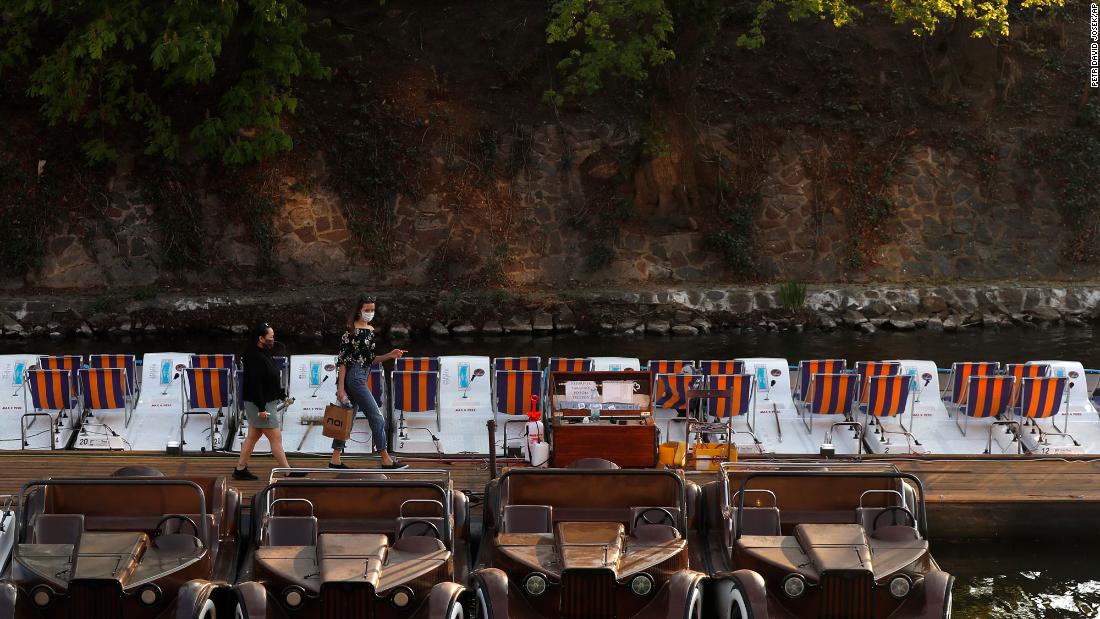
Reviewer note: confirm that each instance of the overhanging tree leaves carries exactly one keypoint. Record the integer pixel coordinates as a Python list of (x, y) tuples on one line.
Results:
[(628, 38), (217, 73), (660, 45)]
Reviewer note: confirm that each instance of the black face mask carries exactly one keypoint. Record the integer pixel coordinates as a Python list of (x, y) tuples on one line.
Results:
[(267, 345)]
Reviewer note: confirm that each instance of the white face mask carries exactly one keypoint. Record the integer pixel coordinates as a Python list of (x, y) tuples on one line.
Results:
[(367, 316)]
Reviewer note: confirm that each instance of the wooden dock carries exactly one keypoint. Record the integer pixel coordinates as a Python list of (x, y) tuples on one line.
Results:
[(968, 496)]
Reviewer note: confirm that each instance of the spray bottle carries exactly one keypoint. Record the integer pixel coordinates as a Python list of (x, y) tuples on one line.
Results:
[(538, 450)]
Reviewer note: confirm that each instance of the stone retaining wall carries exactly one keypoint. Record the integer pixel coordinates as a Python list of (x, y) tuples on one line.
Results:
[(948, 225), (676, 311)]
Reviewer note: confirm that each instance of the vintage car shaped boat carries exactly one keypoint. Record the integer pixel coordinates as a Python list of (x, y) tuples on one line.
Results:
[(123, 547), (357, 544), (587, 543), (7, 529), (829, 541)]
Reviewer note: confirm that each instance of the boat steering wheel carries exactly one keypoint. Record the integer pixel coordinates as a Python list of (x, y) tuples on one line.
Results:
[(666, 517), (181, 517), (894, 510), (429, 527)]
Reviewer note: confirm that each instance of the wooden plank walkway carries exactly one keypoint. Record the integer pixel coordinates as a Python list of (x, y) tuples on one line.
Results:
[(968, 497)]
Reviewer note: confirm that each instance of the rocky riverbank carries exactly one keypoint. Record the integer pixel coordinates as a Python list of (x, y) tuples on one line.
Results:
[(680, 311)]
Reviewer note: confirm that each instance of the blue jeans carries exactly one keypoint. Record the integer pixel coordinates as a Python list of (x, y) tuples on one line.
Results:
[(355, 384)]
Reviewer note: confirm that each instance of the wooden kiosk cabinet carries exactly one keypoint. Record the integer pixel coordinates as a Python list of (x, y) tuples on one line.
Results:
[(584, 424)]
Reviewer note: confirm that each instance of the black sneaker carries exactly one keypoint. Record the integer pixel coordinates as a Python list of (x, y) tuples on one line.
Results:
[(395, 465), (297, 474), (338, 466), (244, 475)]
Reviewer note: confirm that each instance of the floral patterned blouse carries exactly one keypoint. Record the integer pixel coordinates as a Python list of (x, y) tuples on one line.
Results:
[(357, 347)]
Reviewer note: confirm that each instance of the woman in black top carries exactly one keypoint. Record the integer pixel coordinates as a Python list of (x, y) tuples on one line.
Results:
[(354, 363), (262, 392)]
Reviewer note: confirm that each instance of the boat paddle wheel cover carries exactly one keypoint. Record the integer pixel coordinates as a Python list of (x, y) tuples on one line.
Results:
[(137, 471)]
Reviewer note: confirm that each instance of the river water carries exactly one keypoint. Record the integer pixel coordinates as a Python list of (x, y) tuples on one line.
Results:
[(1011, 580)]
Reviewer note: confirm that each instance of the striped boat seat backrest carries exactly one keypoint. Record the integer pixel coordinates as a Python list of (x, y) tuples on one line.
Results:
[(868, 369), (961, 373), (376, 383), (727, 367), (667, 366), (214, 361), (415, 392), (832, 394), (806, 369), (1020, 371), (887, 396), (51, 389), (103, 388), (207, 387), (569, 364), (1042, 397), (514, 390), (69, 363), (517, 364), (123, 362), (742, 387), (416, 364), (986, 396), (670, 390)]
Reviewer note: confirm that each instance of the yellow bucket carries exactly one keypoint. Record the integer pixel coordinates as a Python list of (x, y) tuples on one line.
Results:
[(709, 456), (672, 453)]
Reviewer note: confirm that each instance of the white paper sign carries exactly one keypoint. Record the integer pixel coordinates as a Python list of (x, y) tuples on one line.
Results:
[(618, 391), (582, 391)]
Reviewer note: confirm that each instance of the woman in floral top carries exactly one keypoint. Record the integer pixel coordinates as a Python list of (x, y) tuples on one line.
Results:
[(354, 364)]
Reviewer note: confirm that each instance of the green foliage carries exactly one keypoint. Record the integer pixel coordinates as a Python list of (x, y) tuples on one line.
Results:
[(630, 38), (733, 241), (179, 221), (792, 295), (623, 38), (216, 74), (1069, 159)]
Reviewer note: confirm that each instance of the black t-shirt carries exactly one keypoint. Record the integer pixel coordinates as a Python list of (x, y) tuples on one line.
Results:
[(261, 383)]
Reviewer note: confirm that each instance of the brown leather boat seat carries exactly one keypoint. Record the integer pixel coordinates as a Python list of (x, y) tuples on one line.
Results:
[(291, 531), (528, 519), (759, 521), (57, 529)]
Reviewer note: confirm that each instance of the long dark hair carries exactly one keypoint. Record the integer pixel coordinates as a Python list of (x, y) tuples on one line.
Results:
[(355, 311)]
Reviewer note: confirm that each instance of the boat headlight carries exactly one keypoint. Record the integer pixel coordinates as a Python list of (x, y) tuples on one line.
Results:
[(401, 597), (900, 586), (535, 584), (42, 596), (149, 595), (794, 586), (294, 596), (641, 585)]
